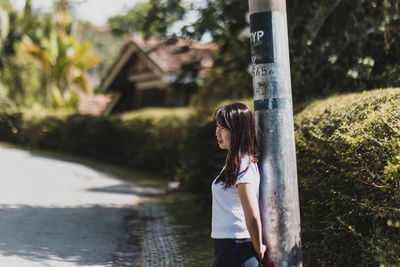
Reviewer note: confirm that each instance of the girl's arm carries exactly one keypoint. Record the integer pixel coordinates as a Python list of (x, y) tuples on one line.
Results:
[(248, 198)]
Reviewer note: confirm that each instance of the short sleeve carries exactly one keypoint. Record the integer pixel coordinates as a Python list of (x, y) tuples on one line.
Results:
[(249, 176)]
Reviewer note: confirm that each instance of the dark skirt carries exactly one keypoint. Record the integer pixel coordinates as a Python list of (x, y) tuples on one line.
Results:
[(234, 253)]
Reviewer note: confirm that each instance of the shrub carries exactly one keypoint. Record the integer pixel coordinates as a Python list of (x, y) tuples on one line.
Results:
[(149, 142), (9, 124), (201, 159), (154, 144), (348, 150)]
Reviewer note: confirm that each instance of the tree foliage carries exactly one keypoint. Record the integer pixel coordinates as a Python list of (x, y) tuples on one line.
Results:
[(340, 46), (152, 18), (64, 61), (10, 33), (335, 46), (49, 40), (131, 21)]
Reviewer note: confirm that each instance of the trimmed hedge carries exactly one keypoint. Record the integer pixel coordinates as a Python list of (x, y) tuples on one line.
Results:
[(348, 152), (150, 143)]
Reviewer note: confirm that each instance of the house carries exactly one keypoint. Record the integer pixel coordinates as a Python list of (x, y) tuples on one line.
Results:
[(156, 73)]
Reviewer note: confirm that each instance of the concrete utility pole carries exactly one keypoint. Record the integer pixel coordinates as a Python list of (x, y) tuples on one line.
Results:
[(279, 199)]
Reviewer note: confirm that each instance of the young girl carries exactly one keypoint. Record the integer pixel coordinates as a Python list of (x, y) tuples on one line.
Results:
[(236, 223)]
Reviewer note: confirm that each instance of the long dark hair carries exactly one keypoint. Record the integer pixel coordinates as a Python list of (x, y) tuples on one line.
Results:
[(239, 120)]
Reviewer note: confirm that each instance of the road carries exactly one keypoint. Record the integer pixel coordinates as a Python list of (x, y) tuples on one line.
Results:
[(59, 213)]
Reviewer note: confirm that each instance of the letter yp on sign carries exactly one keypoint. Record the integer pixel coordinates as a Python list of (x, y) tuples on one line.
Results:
[(256, 36), (262, 49)]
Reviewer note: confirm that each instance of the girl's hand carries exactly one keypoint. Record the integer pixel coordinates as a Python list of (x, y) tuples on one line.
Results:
[(266, 262), (261, 254)]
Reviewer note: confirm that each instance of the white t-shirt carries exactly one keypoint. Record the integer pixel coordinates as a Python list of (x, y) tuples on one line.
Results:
[(228, 219)]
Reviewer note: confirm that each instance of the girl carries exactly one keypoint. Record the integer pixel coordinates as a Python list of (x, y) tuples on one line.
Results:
[(236, 223)]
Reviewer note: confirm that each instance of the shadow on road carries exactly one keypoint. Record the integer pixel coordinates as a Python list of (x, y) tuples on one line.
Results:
[(81, 235)]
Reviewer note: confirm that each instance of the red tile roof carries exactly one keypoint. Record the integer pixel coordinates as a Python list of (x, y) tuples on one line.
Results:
[(171, 57)]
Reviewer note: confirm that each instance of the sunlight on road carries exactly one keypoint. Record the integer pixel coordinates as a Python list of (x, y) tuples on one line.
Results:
[(58, 213)]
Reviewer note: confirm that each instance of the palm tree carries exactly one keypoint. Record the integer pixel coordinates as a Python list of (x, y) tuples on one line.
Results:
[(4, 23), (8, 38), (64, 61), (43, 53)]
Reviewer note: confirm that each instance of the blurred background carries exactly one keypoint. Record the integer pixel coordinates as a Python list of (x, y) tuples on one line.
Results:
[(135, 84), (51, 51)]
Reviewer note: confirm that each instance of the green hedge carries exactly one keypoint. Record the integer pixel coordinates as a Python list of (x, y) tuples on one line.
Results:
[(348, 153), (150, 143)]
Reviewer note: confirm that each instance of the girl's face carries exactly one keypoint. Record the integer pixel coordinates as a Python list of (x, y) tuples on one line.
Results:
[(223, 137)]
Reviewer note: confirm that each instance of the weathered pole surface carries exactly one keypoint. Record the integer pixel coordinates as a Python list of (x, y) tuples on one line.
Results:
[(279, 199)]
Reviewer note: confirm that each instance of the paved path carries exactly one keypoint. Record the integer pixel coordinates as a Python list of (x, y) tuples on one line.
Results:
[(159, 240), (57, 213)]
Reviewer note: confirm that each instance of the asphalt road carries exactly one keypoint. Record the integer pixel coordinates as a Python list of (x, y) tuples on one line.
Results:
[(58, 213)]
